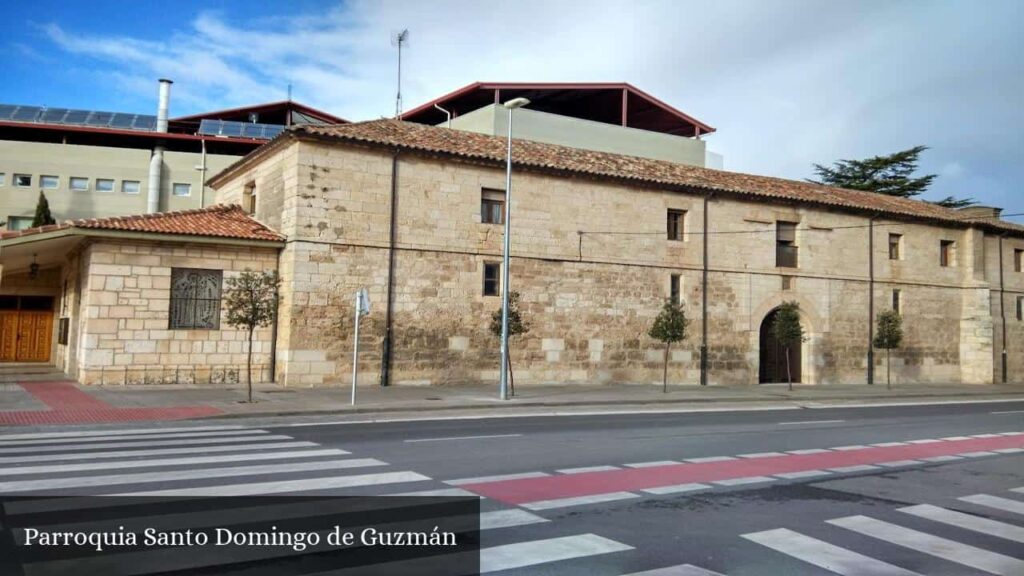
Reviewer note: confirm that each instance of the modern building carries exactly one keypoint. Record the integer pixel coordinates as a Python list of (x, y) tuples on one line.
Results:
[(599, 241), (95, 164)]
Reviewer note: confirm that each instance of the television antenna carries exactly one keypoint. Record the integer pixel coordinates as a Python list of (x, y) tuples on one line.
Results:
[(399, 39)]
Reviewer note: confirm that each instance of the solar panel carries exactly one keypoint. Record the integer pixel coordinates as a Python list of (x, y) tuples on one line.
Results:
[(100, 119), (239, 129), (144, 122), (53, 115), (122, 121), (6, 110), (92, 118), (26, 113), (76, 117)]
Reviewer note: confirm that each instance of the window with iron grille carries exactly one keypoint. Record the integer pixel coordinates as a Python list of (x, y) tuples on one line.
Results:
[(895, 245), (675, 289), (195, 299), (492, 279), (946, 253), (786, 251), (675, 224), (492, 206)]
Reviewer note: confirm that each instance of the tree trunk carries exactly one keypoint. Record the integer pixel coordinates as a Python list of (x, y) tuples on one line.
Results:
[(789, 375), (248, 365), (888, 369), (664, 379)]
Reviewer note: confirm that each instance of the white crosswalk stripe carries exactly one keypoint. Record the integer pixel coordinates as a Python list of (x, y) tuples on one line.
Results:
[(532, 553), (157, 452), (87, 433), (681, 570), (997, 502), (944, 548), (968, 521), (825, 555), (148, 444), (88, 439)]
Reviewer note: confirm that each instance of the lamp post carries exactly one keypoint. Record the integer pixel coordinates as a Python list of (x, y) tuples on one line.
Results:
[(511, 105)]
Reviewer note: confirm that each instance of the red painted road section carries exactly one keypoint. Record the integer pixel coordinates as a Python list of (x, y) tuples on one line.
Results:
[(69, 405), (590, 483)]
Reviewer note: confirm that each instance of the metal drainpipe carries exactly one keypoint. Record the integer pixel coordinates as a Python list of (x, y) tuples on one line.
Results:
[(1002, 307), (704, 301), (871, 301), (385, 362), (273, 331)]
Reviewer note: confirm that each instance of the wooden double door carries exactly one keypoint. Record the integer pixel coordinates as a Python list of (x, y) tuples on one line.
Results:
[(26, 333)]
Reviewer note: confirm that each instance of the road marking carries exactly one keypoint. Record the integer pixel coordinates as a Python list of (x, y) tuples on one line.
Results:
[(462, 438), (521, 554), (797, 422), (651, 464), (956, 438), (803, 474), (578, 500), (678, 488), (508, 519), (140, 444), (86, 433), (934, 545), (945, 458), (761, 455), (585, 469), (1010, 433), (157, 452), (889, 444), (1015, 506), (848, 448), (743, 480), (85, 440), (899, 463), (924, 441), (681, 570), (167, 476), (284, 486), (122, 464), (986, 435), (968, 521), (1008, 412), (825, 555), (977, 454), (808, 451), (857, 468), (1009, 450), (439, 492), (709, 459), (497, 478)]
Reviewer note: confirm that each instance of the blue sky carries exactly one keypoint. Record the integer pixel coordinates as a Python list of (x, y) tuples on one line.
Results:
[(787, 83)]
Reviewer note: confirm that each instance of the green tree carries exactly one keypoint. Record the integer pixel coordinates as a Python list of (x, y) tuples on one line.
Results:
[(669, 327), (43, 216), (888, 335), (788, 332), (952, 202), (516, 326), (251, 303)]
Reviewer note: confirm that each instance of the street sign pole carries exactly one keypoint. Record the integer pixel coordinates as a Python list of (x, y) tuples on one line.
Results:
[(362, 309)]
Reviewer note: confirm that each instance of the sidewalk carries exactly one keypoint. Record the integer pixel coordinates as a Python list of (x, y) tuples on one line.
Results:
[(41, 403)]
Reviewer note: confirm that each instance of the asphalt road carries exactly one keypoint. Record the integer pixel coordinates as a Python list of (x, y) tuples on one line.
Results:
[(896, 490)]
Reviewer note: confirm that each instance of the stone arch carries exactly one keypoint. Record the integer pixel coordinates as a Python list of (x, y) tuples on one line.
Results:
[(814, 327)]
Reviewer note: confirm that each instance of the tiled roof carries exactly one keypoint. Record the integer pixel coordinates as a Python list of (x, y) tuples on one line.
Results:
[(220, 221), (528, 154)]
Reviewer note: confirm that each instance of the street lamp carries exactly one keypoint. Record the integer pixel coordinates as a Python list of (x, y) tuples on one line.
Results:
[(503, 385)]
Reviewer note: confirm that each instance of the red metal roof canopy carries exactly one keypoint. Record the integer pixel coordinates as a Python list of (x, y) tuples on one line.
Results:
[(612, 103)]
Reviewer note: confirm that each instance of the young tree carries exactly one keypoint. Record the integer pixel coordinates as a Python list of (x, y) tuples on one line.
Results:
[(669, 327), (888, 335), (516, 325), (251, 303), (42, 216), (786, 329)]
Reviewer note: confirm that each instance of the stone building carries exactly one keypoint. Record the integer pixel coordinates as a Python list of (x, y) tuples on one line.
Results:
[(599, 240)]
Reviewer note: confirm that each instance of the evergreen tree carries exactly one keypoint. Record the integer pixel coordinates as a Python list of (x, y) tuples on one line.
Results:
[(888, 335), (952, 202), (251, 303), (786, 329), (43, 216), (516, 325), (890, 174), (669, 327)]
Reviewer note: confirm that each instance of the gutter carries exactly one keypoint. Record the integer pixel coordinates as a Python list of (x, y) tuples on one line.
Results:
[(704, 300), (151, 236), (871, 300), (385, 363), (1002, 309)]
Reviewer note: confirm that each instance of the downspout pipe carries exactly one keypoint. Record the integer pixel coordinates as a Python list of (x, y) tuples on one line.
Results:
[(156, 161), (1002, 309), (385, 362), (704, 299), (871, 300), (446, 113)]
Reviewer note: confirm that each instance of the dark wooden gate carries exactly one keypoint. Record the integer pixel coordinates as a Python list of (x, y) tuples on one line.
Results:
[(773, 355)]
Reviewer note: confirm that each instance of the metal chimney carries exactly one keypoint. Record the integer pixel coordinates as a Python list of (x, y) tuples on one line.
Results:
[(156, 161), (165, 101)]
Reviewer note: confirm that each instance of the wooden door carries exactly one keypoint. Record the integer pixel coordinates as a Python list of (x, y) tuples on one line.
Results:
[(773, 356), (8, 335), (35, 330)]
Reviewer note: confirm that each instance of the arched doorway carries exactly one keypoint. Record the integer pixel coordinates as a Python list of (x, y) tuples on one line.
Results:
[(773, 355)]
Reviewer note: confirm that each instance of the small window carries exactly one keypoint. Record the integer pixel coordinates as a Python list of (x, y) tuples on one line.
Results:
[(787, 282), (786, 252), (946, 253), (23, 180), (492, 206), (675, 289), (1020, 308), (78, 183), (492, 279), (249, 198), (1018, 260), (62, 331), (179, 189), (895, 245), (896, 296), (195, 299), (49, 182), (104, 185), (18, 222), (675, 224), (129, 186)]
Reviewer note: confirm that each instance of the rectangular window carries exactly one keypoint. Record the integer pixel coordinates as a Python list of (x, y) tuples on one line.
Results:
[(130, 186), (18, 222), (675, 289), (195, 299), (492, 206), (896, 295), (179, 189), (78, 183), (675, 224), (23, 180), (895, 243), (104, 185), (49, 182), (1020, 308), (249, 198), (786, 252), (1018, 260), (492, 279), (62, 331), (946, 248), (787, 282)]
